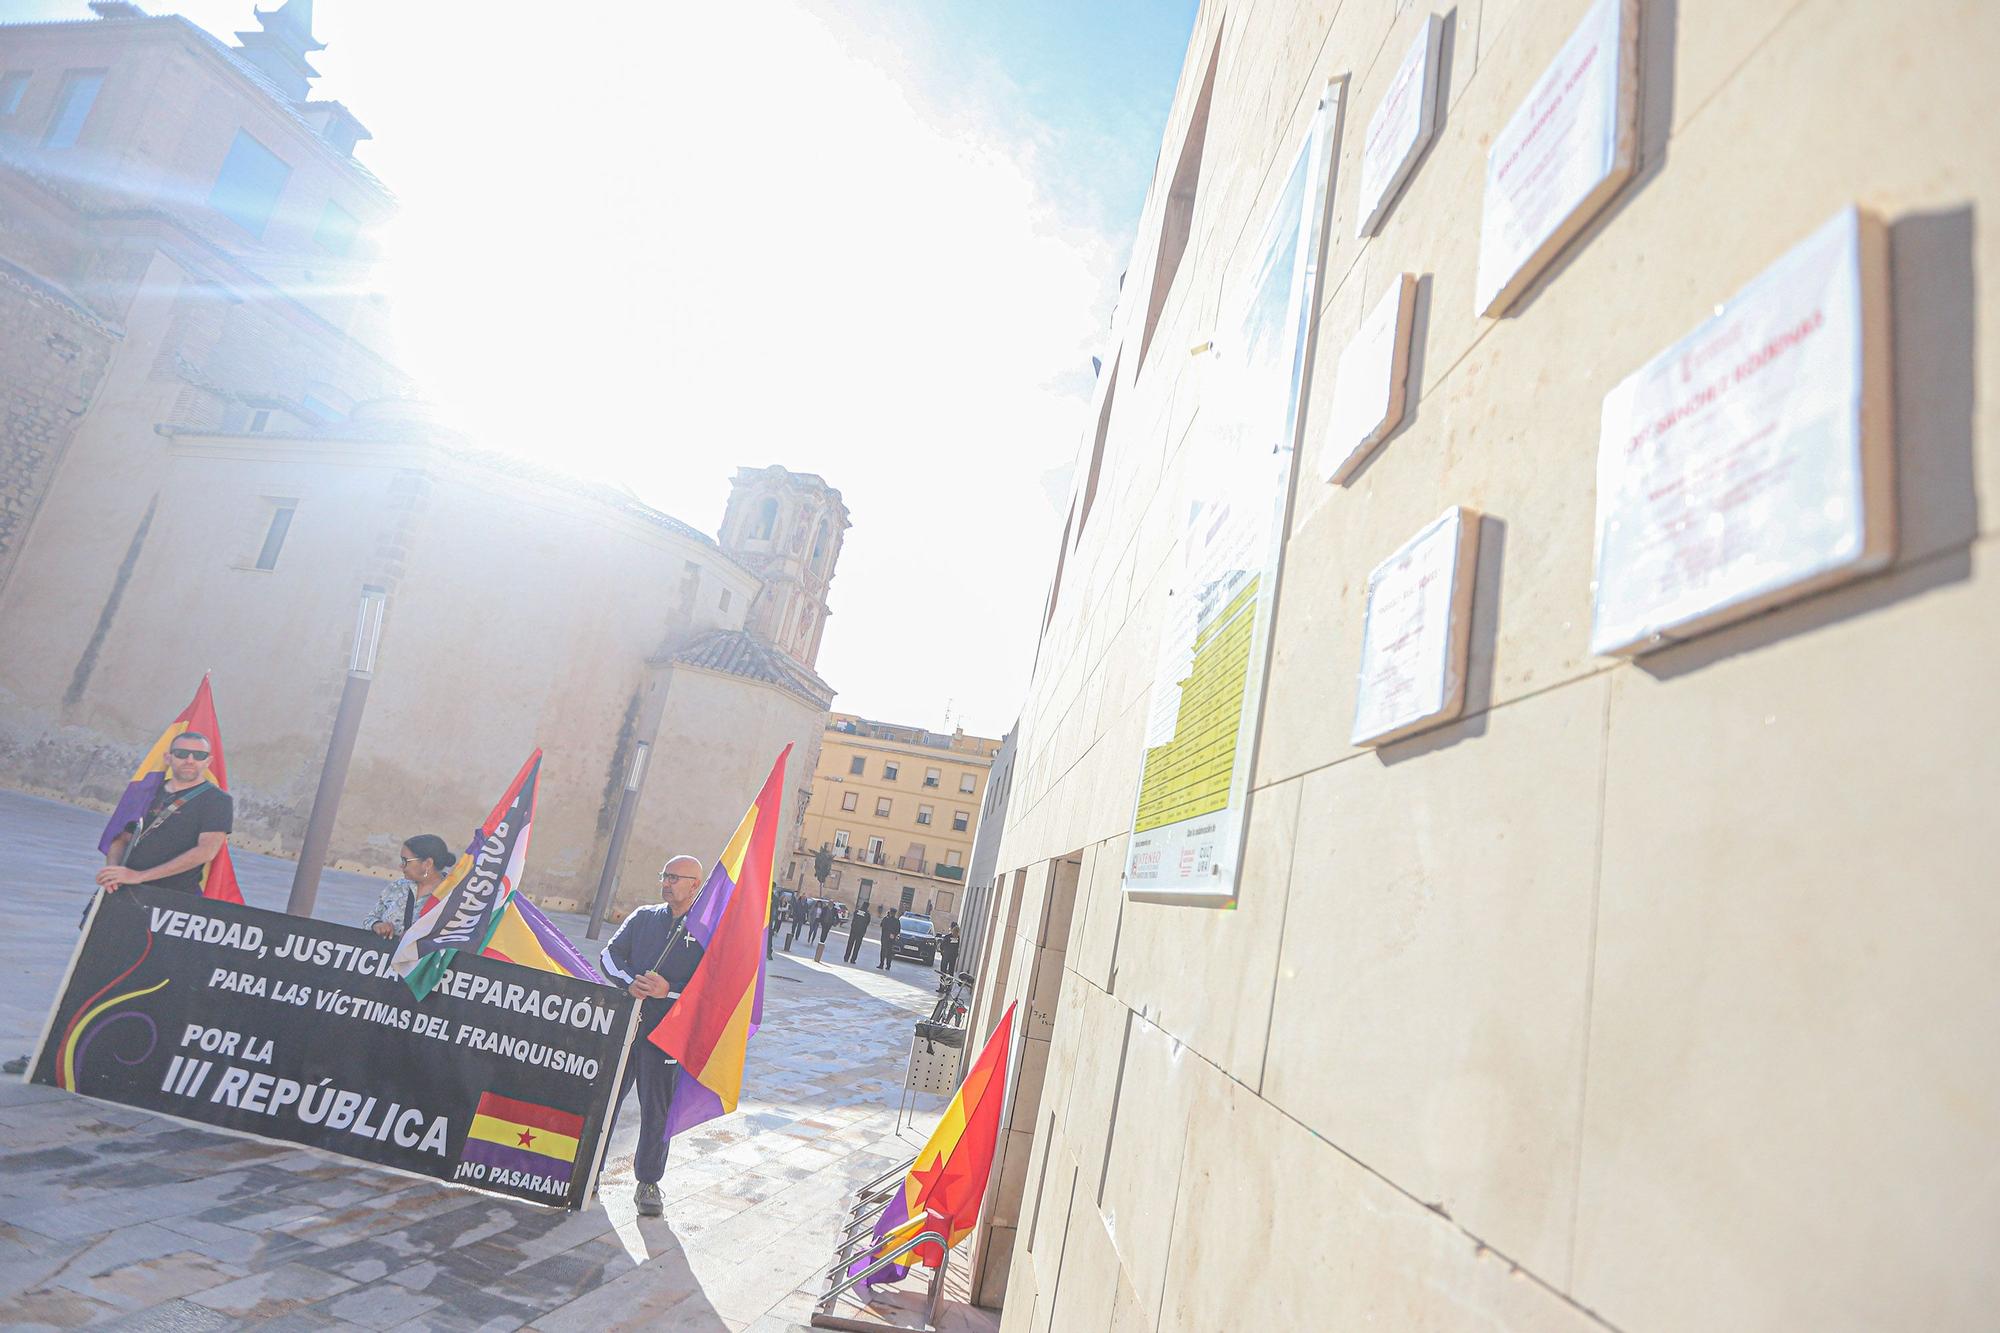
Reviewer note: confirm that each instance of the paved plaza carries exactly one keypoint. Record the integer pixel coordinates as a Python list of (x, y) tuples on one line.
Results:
[(110, 1216)]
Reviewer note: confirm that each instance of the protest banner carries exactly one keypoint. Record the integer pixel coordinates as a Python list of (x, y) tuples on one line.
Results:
[(291, 1029)]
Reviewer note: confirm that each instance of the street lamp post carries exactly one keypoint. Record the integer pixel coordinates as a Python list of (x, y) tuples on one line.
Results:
[(621, 831), (339, 751)]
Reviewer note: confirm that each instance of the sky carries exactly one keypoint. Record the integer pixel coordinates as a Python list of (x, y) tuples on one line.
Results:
[(877, 240)]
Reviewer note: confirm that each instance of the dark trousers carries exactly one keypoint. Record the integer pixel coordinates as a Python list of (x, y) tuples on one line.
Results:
[(854, 938), (948, 958), (656, 1075), (888, 952)]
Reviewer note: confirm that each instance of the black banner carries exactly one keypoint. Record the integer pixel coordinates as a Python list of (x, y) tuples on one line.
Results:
[(294, 1029)]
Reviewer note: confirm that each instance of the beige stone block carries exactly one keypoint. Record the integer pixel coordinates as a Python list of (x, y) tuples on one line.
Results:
[(1038, 1011), (1049, 1218), (1100, 1059), (1016, 1147), (1205, 974), (1429, 1016), (990, 1285), (1359, 1254), (1088, 1276), (1023, 1300), (1161, 1082), (1096, 935), (1030, 1080), (1798, 973)]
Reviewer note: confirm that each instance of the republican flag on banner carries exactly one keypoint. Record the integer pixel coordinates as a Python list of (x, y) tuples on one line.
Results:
[(946, 1183), (709, 1028), (218, 877), (474, 897)]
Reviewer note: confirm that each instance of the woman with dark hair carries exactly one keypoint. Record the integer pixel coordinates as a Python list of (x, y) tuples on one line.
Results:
[(427, 859)]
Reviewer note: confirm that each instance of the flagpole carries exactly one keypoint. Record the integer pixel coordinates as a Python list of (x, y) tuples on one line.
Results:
[(339, 752)]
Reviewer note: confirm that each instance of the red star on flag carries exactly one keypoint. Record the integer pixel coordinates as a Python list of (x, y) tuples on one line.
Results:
[(927, 1177), (526, 1138)]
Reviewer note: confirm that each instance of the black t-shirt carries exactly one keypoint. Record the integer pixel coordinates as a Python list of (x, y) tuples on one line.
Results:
[(209, 810)]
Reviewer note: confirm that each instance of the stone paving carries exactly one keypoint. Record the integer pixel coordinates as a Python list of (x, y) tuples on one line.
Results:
[(116, 1217)]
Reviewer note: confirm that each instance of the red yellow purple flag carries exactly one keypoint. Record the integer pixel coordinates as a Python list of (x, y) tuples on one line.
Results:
[(709, 1028), (218, 877), (946, 1183)]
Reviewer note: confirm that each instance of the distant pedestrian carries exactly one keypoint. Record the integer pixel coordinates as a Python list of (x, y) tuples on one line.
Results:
[(892, 930), (857, 931), (800, 909), (948, 950), (773, 918), (826, 915)]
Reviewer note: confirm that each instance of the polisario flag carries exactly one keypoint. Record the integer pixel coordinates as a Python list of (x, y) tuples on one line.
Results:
[(474, 897), (218, 877), (943, 1189), (708, 1029)]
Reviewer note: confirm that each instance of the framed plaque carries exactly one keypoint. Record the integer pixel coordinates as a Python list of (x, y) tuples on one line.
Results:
[(1369, 389), (1751, 462), (1565, 152), (1400, 129), (1416, 632)]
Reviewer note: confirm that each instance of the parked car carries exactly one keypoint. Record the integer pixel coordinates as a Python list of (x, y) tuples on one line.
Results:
[(919, 939)]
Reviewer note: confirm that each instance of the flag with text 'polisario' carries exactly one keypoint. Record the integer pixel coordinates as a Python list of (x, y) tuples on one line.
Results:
[(525, 935), (473, 898), (943, 1190), (708, 1030), (218, 877)]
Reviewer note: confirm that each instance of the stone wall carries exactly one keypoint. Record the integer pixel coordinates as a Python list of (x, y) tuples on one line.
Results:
[(52, 358), (1650, 994)]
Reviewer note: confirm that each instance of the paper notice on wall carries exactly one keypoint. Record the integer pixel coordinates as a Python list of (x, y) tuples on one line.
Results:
[(1400, 129), (1565, 152), (1368, 389), (1750, 462), (1208, 683), (1415, 634)]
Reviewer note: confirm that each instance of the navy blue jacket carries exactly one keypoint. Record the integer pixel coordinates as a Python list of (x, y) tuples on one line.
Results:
[(640, 940)]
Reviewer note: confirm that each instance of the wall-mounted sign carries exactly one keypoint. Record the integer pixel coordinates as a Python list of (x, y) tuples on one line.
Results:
[(1415, 635), (1208, 682), (1750, 463), (1369, 389), (1567, 150), (1400, 129)]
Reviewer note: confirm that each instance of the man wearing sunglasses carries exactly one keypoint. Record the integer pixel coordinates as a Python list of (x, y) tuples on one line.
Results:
[(185, 826), (654, 958)]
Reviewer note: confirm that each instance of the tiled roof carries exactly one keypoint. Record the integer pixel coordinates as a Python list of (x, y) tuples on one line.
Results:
[(735, 653)]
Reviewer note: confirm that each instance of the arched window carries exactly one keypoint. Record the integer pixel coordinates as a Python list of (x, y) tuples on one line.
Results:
[(819, 546), (767, 521), (805, 625)]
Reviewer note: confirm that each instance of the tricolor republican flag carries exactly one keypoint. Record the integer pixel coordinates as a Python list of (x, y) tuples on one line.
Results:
[(218, 877), (708, 1029), (943, 1190), (473, 900)]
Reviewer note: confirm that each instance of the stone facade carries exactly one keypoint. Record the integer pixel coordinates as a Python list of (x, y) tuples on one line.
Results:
[(209, 451), (1649, 994)]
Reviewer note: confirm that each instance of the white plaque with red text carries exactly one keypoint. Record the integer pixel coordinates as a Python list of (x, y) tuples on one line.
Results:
[(1415, 635), (1750, 463), (1400, 129), (1566, 151), (1369, 389)]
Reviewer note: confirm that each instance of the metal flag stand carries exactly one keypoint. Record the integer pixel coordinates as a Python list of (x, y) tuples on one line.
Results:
[(856, 1236)]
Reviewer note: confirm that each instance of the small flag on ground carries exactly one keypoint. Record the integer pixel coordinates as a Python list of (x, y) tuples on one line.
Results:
[(218, 877), (708, 1030), (473, 899), (943, 1190), (510, 1135)]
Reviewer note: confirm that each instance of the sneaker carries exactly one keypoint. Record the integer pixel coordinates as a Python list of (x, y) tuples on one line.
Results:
[(647, 1197)]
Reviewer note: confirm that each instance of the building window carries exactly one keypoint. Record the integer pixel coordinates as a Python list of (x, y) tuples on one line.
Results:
[(890, 768), (690, 587), (951, 858), (932, 777), (856, 764), (923, 814), (875, 850), (260, 420), (849, 800), (246, 191), (840, 842), (862, 895), (722, 602), (967, 783), (73, 103), (274, 535), (819, 546), (881, 807), (909, 897), (336, 231), (12, 85), (319, 409), (960, 820), (767, 521)]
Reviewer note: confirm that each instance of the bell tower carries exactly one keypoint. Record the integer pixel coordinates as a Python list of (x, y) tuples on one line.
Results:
[(786, 527)]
